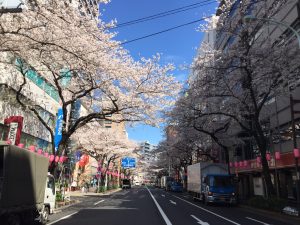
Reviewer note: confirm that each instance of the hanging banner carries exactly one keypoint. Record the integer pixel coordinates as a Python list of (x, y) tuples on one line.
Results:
[(15, 129), (58, 129)]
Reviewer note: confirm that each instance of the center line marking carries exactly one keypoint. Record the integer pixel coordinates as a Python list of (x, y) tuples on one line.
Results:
[(98, 202), (166, 219), (173, 202), (206, 210), (249, 218)]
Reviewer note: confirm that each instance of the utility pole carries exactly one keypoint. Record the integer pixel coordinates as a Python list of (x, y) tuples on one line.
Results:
[(292, 102)]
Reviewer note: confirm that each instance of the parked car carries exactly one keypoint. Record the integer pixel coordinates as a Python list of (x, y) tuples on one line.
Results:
[(137, 183), (166, 182), (176, 186)]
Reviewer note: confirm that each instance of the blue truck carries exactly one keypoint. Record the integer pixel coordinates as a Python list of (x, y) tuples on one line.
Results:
[(211, 183)]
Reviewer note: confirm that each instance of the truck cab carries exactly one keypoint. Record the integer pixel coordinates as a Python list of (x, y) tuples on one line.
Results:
[(126, 184), (218, 188), (49, 199)]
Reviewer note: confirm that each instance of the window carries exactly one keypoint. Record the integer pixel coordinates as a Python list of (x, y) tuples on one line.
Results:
[(221, 181), (51, 184), (38, 80)]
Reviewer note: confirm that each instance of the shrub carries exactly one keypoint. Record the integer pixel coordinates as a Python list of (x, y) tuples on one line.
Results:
[(272, 203), (101, 189), (59, 197)]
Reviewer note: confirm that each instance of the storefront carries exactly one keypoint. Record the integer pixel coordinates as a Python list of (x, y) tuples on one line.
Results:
[(252, 184)]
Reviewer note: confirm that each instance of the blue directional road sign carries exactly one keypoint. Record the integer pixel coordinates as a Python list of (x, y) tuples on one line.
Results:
[(128, 162)]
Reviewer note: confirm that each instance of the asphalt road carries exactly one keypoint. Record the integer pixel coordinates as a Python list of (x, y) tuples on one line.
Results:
[(143, 206)]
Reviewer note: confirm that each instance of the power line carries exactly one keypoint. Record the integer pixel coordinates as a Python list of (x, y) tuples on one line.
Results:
[(166, 30), (173, 28), (166, 13)]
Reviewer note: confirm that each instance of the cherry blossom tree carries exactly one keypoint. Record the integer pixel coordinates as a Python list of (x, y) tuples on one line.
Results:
[(237, 81), (104, 145), (78, 57)]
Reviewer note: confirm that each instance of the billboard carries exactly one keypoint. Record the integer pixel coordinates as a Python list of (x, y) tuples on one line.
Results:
[(128, 162)]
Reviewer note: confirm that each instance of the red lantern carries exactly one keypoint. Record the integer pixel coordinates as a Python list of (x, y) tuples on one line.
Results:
[(31, 148), (40, 151), (51, 159), (56, 158), (296, 153), (268, 156), (245, 163), (258, 159), (61, 159), (241, 164), (81, 163), (21, 145), (46, 154), (65, 158), (277, 155), (86, 159), (236, 164), (231, 164)]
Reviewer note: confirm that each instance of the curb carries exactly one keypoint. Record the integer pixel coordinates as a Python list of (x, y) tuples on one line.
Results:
[(88, 194), (59, 209), (279, 216)]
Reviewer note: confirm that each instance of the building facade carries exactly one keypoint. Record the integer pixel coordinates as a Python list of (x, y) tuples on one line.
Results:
[(277, 111)]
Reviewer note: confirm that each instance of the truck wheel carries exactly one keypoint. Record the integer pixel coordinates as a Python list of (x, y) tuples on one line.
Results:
[(13, 219), (44, 216)]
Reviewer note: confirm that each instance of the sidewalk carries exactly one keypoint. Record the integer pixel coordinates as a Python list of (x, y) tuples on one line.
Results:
[(279, 216), (63, 205)]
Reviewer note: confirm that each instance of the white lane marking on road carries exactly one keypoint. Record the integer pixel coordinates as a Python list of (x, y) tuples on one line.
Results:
[(249, 218), (185, 196), (96, 203), (199, 221), (163, 195), (206, 210), (166, 219), (173, 202), (111, 208), (63, 218)]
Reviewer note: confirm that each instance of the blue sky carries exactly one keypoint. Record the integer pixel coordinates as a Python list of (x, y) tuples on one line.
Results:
[(177, 46)]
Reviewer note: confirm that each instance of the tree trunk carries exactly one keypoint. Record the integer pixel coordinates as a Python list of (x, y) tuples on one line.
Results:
[(262, 145)]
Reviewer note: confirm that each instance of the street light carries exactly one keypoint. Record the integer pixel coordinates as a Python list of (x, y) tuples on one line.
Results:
[(248, 18)]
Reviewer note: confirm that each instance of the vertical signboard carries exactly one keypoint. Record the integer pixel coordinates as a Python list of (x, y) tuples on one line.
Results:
[(58, 129), (15, 129)]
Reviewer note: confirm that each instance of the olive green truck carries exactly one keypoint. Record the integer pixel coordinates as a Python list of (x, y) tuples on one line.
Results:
[(27, 190)]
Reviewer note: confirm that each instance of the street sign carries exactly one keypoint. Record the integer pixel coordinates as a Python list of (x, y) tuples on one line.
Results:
[(128, 162)]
